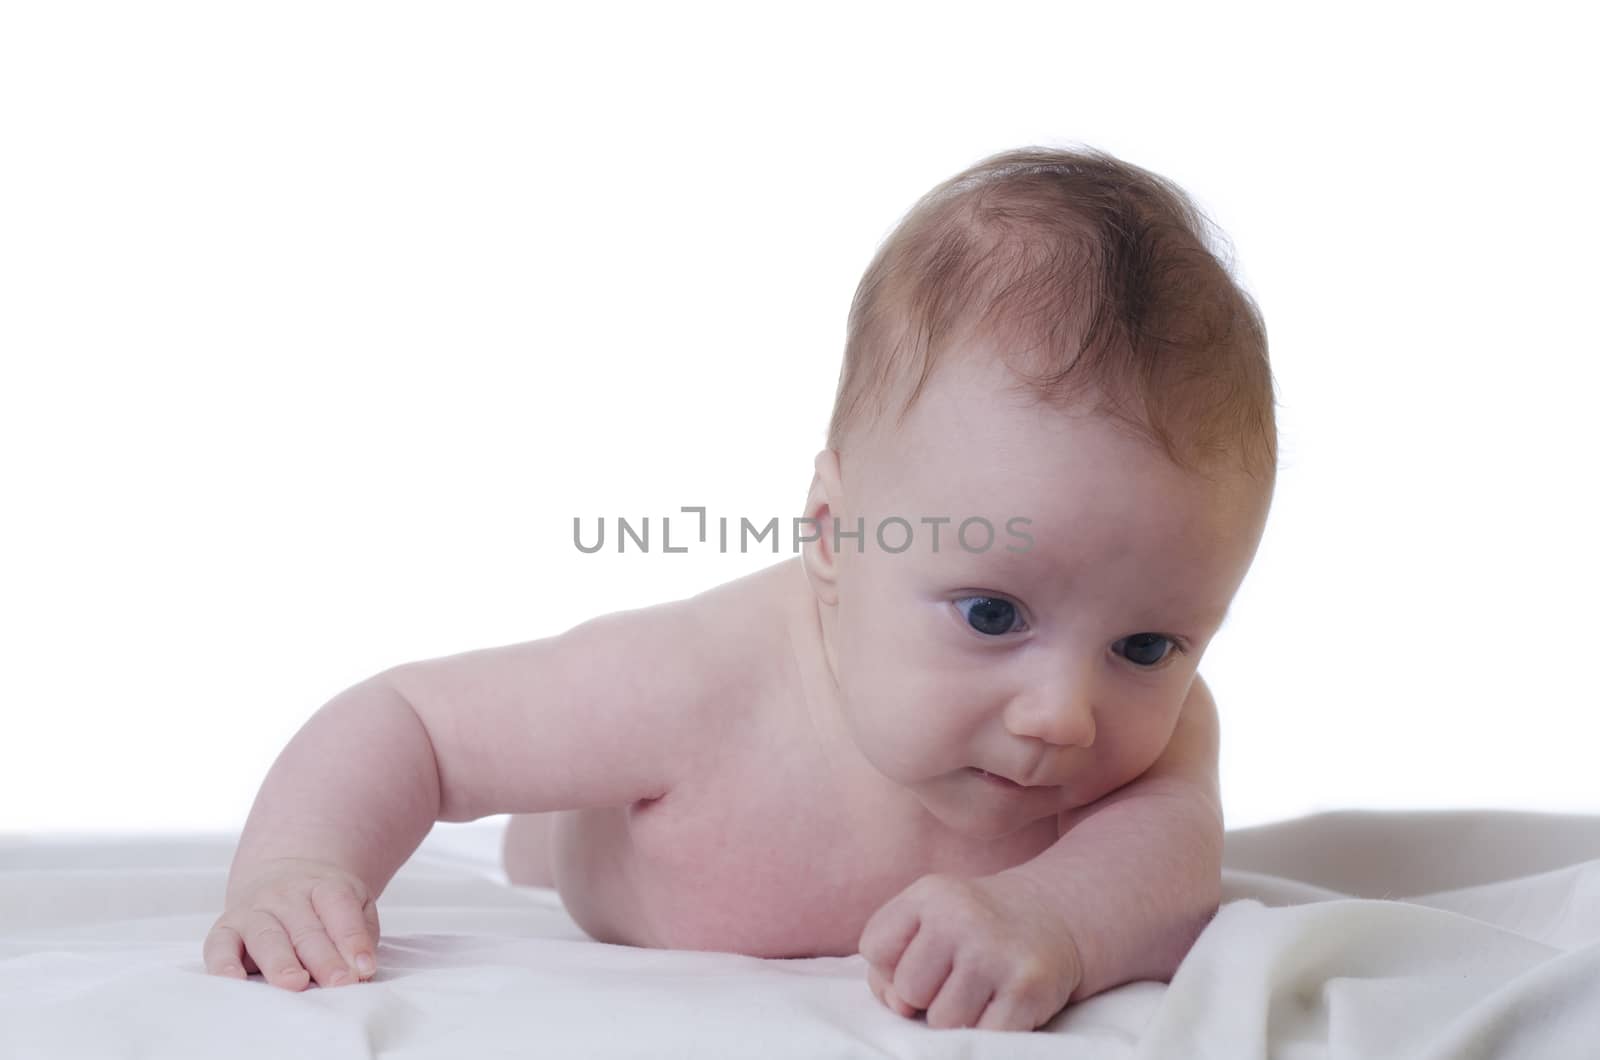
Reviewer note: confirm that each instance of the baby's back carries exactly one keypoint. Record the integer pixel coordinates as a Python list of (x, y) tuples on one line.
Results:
[(771, 838)]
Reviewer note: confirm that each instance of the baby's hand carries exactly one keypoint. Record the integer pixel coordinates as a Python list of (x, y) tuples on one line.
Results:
[(291, 915), (984, 953)]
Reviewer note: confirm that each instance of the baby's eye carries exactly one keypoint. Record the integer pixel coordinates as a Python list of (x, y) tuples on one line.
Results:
[(989, 615), (1147, 649)]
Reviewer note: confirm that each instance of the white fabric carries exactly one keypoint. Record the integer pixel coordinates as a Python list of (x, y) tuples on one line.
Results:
[(1310, 957)]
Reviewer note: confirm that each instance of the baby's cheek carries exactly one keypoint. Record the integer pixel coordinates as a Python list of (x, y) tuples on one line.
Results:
[(1109, 764)]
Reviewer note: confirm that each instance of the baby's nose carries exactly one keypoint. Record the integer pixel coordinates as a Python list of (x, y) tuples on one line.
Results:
[(1063, 717)]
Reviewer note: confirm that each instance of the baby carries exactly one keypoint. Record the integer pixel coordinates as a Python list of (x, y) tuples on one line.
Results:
[(960, 732)]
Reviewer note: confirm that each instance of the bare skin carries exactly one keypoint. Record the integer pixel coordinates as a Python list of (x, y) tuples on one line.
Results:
[(780, 765), (778, 814), (843, 768)]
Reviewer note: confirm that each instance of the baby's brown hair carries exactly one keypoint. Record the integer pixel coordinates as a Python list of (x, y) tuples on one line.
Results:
[(1090, 276)]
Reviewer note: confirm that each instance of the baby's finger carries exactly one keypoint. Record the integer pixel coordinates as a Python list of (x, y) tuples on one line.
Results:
[(885, 993), (312, 945), (342, 915), (885, 990), (269, 946), (223, 951)]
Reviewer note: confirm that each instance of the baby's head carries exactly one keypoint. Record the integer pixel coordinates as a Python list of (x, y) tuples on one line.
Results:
[(1045, 355)]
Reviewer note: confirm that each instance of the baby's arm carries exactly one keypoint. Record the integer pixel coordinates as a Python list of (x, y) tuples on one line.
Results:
[(356, 787), (601, 715), (1137, 875)]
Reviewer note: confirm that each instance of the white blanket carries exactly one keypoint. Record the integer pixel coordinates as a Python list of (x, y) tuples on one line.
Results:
[(1388, 935)]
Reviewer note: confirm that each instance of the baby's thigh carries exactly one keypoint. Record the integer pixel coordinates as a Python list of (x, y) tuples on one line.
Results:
[(527, 849)]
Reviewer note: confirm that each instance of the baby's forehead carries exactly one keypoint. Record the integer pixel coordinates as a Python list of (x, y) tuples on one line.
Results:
[(976, 434), (1012, 455), (1105, 500)]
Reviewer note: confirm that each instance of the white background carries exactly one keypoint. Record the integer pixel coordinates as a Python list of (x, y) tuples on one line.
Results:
[(320, 323)]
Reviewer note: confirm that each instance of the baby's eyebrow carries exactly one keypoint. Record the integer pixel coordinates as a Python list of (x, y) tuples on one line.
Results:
[(1194, 618), (1027, 563)]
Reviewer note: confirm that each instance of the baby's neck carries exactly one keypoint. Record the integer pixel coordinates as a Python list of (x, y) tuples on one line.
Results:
[(810, 635)]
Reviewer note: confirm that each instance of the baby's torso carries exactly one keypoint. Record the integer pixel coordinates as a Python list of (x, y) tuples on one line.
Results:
[(770, 848), (752, 862)]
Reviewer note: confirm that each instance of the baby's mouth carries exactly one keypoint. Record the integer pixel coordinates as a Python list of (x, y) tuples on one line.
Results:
[(996, 778)]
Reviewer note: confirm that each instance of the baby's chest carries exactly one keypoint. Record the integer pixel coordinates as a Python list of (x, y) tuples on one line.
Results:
[(767, 863), (763, 868)]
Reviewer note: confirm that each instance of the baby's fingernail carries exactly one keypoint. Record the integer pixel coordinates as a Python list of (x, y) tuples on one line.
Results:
[(364, 963)]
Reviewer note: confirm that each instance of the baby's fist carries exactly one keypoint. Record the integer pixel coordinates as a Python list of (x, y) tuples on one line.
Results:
[(986, 953)]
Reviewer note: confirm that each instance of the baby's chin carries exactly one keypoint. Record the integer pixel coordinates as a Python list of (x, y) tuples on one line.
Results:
[(968, 805)]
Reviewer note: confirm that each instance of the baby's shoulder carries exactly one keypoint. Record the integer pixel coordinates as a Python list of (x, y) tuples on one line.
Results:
[(739, 629)]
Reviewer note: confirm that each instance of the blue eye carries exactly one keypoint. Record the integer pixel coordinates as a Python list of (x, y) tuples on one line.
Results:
[(1145, 649), (989, 615)]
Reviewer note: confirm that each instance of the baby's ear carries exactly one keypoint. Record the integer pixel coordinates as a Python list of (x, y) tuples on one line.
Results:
[(820, 562)]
